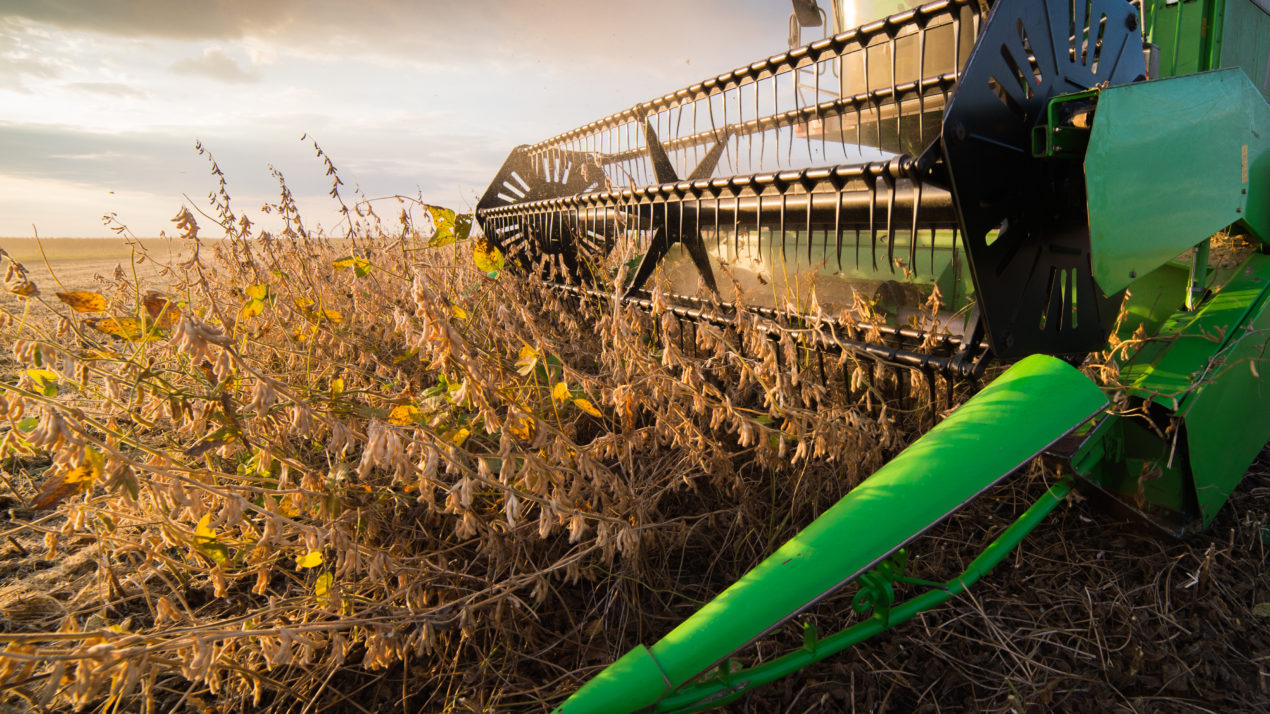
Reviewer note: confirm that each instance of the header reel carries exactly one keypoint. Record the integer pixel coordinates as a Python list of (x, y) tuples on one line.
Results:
[(789, 191)]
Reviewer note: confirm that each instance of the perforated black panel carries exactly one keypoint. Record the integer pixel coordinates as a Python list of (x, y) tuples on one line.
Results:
[(1033, 277), (544, 241)]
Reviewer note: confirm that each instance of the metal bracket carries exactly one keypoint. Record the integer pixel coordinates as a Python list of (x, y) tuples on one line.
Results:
[(1068, 122), (877, 588)]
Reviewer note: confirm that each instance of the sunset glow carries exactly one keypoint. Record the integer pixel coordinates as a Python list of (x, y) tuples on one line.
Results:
[(101, 103)]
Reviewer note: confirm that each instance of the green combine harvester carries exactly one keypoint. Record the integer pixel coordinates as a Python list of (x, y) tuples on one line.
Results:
[(1058, 170)]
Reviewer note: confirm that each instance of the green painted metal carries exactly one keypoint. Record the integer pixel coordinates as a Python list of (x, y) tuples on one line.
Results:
[(1168, 368), (1197, 278), (1203, 368), (999, 429), (1182, 32), (727, 684), (1245, 41), (1057, 137), (1227, 422), (1153, 299), (1170, 163), (1130, 461)]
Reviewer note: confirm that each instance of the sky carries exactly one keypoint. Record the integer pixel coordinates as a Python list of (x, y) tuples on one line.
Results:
[(101, 102)]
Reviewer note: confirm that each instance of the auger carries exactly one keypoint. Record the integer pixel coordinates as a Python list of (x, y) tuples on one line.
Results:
[(1056, 169)]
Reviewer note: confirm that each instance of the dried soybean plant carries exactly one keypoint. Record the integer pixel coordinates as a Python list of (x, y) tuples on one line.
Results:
[(355, 472)]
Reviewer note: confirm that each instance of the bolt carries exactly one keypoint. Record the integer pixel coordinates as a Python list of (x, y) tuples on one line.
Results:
[(1133, 273)]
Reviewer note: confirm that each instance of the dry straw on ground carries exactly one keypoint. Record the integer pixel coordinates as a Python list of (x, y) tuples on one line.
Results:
[(353, 473)]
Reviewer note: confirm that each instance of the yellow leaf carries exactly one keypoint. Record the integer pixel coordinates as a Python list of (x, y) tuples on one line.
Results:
[(81, 474), (124, 328), (528, 359), (303, 303), (331, 315), (587, 407), (253, 307), (44, 380), (560, 392), (443, 221), (84, 301), (521, 426), (203, 532), (258, 292), (360, 266), (337, 386), (488, 259), (404, 356), (65, 484), (458, 312), (312, 559), (323, 584), (163, 312), (458, 436), (405, 415)]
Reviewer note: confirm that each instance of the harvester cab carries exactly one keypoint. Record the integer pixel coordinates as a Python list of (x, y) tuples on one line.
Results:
[(1052, 172)]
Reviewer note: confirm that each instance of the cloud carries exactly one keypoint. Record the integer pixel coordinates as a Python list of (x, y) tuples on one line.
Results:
[(156, 18), (19, 59), (217, 65), (109, 89), (511, 32)]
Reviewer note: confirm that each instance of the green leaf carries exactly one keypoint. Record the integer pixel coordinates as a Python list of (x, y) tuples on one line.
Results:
[(28, 424), (462, 226), (1261, 609)]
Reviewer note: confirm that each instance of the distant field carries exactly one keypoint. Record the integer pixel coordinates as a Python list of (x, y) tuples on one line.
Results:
[(27, 250), (75, 262)]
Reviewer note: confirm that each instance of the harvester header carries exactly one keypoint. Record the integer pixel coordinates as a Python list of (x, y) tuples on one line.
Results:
[(1051, 172)]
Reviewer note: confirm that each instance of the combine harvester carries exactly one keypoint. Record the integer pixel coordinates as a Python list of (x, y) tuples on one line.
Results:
[(1056, 168)]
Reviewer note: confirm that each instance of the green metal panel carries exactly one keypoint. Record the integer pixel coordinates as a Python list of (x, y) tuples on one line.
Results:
[(1167, 368), (1227, 416), (1132, 462), (1171, 162), (1027, 408), (1203, 368), (1153, 299), (1245, 41), (1181, 29)]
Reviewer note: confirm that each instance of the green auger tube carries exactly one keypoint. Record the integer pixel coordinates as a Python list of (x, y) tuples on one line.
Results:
[(1030, 406)]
